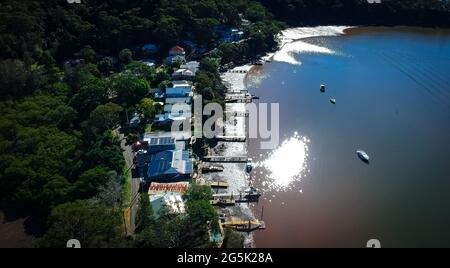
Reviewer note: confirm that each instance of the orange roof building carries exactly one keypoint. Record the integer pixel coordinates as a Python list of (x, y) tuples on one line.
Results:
[(177, 50)]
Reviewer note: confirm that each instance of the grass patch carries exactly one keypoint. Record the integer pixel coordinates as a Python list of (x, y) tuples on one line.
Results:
[(126, 190), (148, 128)]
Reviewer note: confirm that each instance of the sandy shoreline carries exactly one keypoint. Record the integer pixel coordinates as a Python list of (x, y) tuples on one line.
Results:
[(235, 80)]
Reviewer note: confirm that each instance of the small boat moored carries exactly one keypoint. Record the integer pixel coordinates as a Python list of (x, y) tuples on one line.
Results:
[(249, 165), (322, 88), (333, 101), (363, 156)]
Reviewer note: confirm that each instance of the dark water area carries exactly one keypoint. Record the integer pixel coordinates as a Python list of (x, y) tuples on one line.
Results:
[(392, 91)]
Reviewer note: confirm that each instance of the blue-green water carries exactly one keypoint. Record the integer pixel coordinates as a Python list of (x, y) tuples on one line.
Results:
[(392, 88)]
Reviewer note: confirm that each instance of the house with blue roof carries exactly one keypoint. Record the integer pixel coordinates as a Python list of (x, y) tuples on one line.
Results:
[(158, 144), (150, 48), (168, 118), (178, 92), (170, 165)]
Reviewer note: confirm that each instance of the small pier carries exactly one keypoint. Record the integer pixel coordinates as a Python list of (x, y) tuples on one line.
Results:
[(237, 71), (239, 198), (245, 225), (226, 159), (240, 98), (222, 202), (238, 114), (231, 138), (218, 184)]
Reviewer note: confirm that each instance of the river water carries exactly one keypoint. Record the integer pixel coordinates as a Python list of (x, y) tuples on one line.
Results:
[(392, 91)]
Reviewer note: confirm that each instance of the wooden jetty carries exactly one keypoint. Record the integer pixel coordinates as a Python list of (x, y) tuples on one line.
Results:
[(242, 197), (240, 98), (231, 138), (218, 184), (245, 225), (238, 114), (226, 159), (222, 202)]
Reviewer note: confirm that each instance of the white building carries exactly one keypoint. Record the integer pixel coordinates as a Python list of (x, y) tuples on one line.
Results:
[(171, 201)]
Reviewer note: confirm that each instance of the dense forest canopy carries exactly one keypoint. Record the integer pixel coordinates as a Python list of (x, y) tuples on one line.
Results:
[(69, 79), (361, 12)]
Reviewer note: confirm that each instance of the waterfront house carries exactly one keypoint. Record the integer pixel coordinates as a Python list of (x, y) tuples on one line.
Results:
[(170, 166), (181, 84), (174, 100), (183, 74), (179, 136), (177, 108), (177, 51), (169, 118), (157, 144), (171, 60), (167, 195), (176, 54), (170, 202), (142, 159), (161, 188), (193, 66), (186, 71), (179, 92)]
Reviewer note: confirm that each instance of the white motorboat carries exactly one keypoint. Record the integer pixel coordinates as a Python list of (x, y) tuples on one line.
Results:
[(363, 156)]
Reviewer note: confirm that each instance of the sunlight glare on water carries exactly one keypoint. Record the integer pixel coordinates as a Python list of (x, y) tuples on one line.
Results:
[(287, 163)]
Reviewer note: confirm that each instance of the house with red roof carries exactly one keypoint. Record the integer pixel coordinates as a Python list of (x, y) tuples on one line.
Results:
[(177, 51), (176, 54)]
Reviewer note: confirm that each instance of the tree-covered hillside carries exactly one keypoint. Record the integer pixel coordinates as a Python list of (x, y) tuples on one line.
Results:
[(70, 76), (69, 79), (361, 12)]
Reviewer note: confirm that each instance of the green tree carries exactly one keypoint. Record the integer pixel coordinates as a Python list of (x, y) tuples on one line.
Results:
[(199, 192), (168, 232), (147, 107), (88, 54), (144, 216), (105, 152), (93, 92), (125, 56), (14, 77), (142, 70), (106, 65), (229, 52), (209, 65), (167, 30), (129, 89), (160, 77), (232, 239), (93, 226), (256, 12), (105, 117), (90, 182)]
